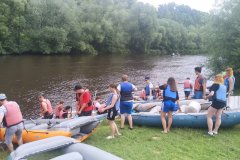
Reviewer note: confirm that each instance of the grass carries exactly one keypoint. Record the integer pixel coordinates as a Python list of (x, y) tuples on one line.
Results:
[(144, 143)]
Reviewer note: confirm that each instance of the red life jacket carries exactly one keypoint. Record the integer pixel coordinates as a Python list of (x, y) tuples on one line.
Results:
[(187, 84), (58, 111), (14, 115), (143, 94), (198, 86), (49, 106), (89, 106)]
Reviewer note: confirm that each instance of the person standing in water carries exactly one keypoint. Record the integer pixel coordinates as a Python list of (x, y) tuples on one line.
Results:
[(46, 108), (187, 85)]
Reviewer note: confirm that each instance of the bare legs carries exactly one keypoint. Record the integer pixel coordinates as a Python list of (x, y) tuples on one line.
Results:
[(10, 146), (129, 116), (166, 128), (114, 130), (212, 111), (218, 120), (122, 120)]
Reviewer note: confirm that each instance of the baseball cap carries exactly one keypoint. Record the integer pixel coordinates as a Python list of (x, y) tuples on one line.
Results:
[(2, 96)]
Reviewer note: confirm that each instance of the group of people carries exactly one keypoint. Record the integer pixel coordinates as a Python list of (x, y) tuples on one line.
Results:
[(121, 99)]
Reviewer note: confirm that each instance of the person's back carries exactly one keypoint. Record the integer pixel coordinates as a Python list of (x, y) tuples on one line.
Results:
[(11, 115), (126, 91), (187, 85), (199, 85), (45, 107), (126, 100), (59, 109), (14, 115)]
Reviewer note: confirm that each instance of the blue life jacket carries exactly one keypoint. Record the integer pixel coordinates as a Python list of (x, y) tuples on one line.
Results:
[(221, 93), (226, 83), (109, 100), (147, 90), (169, 95), (126, 91)]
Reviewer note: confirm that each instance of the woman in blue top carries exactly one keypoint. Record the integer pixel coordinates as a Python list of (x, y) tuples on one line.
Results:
[(112, 107), (218, 91), (229, 81), (170, 97)]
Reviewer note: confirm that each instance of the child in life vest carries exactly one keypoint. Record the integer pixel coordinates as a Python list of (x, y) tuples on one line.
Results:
[(188, 86), (59, 109)]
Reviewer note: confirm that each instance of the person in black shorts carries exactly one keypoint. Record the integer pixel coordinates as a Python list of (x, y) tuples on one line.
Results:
[(112, 107), (218, 93)]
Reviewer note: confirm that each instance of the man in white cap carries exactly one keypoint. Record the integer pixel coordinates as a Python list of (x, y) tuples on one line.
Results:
[(11, 117)]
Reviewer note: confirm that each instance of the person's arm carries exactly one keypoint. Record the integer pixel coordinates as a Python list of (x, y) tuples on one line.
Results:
[(163, 87), (212, 90), (150, 88), (119, 88), (114, 100), (204, 84), (1, 118), (134, 88), (210, 95), (230, 85)]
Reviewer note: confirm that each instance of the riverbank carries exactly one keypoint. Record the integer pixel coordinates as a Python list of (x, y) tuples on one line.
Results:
[(181, 143)]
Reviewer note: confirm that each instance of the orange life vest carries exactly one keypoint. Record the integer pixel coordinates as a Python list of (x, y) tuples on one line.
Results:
[(187, 85), (14, 115), (49, 106), (143, 94), (198, 86), (58, 111)]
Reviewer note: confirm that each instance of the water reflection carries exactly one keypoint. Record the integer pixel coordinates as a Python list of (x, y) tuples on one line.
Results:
[(24, 77)]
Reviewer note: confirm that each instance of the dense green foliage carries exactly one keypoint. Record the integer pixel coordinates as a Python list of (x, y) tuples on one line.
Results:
[(93, 26), (224, 37)]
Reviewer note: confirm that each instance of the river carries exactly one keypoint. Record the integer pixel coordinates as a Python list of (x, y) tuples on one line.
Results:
[(23, 78)]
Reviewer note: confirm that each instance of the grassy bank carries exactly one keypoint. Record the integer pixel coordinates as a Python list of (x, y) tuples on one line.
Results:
[(181, 143)]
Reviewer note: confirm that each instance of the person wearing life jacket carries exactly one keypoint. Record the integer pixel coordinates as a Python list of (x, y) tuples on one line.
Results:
[(59, 109), (187, 88), (112, 107), (229, 81), (148, 88), (46, 108), (199, 85), (170, 98), (126, 100), (218, 93), (65, 112), (11, 116), (84, 103)]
